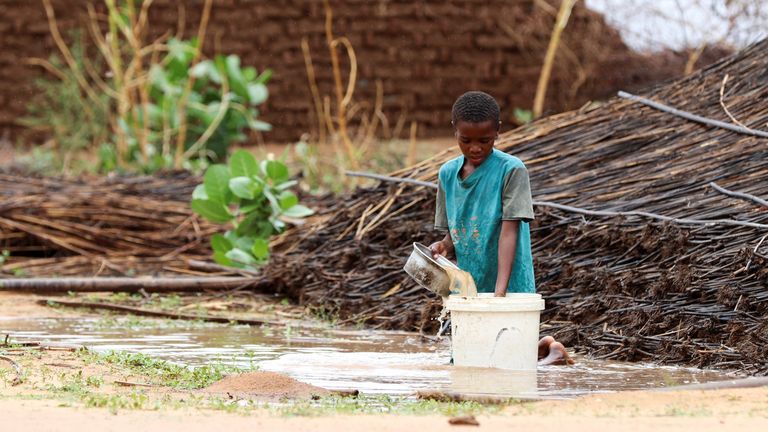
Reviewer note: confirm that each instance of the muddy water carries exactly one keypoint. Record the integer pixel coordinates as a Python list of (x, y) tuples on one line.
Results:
[(370, 361)]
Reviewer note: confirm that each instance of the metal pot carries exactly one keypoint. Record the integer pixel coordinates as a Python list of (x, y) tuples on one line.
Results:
[(427, 272)]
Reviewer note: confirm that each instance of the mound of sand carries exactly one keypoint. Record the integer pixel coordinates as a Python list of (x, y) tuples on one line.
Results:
[(268, 385)]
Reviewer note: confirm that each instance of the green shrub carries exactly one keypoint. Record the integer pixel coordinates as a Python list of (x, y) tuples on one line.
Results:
[(254, 198)]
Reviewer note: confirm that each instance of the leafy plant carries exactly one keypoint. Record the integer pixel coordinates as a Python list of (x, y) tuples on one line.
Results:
[(221, 99), (73, 120), (254, 198), (146, 105)]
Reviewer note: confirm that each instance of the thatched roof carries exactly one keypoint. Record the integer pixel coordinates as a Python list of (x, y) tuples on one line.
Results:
[(625, 287)]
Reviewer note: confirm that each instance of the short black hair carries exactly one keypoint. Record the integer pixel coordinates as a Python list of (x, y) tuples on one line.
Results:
[(475, 107)]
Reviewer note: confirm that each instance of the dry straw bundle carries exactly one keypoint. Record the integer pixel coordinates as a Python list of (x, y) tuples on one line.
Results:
[(626, 287)]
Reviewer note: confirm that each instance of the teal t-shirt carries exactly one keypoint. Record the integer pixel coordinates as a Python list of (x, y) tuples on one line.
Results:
[(472, 210)]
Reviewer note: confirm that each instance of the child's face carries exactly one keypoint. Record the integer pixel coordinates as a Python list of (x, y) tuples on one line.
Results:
[(476, 140)]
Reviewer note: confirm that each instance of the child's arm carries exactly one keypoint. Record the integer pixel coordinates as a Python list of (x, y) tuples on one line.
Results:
[(507, 250)]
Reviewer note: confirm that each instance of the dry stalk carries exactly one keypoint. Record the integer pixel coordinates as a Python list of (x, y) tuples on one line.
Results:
[(411, 159), (725, 108), (45, 64), (693, 57), (182, 106), (65, 52), (198, 145), (311, 78), (541, 89), (342, 99)]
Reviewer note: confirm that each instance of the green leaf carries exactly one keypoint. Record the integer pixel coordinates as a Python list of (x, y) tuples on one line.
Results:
[(200, 70), (259, 125), (240, 256), (286, 185), (221, 258), (216, 181), (277, 171), (272, 200), (244, 243), (287, 200), (219, 243), (298, 211), (249, 73), (277, 224), (236, 79), (257, 93), (251, 205), (255, 225), (242, 163), (260, 249), (199, 193), (264, 77), (211, 210), (242, 187)]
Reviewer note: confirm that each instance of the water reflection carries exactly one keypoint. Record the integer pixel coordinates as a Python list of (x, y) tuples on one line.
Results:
[(370, 361)]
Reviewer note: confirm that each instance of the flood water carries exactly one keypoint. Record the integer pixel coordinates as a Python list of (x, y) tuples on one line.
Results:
[(373, 362)]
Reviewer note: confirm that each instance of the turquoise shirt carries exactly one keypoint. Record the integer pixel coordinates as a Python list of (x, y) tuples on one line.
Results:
[(473, 209)]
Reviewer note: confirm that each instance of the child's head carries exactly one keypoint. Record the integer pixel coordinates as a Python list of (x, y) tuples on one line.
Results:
[(475, 119)]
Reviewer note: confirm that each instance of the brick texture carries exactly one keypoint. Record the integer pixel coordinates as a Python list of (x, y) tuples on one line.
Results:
[(425, 53)]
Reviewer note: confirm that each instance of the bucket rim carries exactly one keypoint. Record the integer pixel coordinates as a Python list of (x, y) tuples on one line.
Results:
[(486, 302)]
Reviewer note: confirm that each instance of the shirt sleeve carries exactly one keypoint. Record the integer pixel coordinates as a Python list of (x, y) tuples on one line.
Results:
[(516, 200), (441, 217)]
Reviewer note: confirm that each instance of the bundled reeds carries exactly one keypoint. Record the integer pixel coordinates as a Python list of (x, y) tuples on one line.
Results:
[(626, 287), (99, 226)]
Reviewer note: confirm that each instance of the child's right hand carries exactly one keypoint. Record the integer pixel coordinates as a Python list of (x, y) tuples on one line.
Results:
[(438, 248)]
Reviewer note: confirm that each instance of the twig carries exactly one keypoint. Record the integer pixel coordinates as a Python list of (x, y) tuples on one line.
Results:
[(741, 195), (391, 179), (725, 108), (171, 315), (182, 105), (754, 251), (133, 384), (549, 58), (321, 129), (153, 313), (581, 210), (693, 117), (212, 267), (16, 367)]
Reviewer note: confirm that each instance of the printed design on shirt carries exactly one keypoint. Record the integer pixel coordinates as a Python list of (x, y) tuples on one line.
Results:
[(467, 239)]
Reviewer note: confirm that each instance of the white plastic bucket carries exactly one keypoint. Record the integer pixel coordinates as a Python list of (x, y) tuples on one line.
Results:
[(497, 332)]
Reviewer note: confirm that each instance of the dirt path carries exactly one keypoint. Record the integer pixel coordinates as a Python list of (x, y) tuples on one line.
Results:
[(16, 305), (712, 411)]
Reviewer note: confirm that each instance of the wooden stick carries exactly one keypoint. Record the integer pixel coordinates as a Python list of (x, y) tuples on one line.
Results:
[(113, 284), (16, 367), (741, 195), (549, 58), (692, 117), (155, 314), (605, 213)]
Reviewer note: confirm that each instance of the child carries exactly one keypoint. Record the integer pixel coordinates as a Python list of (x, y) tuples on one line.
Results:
[(484, 201)]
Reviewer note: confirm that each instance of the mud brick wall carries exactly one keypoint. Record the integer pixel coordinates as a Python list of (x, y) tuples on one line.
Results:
[(425, 53)]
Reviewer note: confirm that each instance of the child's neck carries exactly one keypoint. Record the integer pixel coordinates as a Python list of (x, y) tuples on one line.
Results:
[(468, 168)]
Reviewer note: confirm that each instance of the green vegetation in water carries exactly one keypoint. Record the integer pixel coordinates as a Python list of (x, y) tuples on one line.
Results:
[(133, 322), (164, 373)]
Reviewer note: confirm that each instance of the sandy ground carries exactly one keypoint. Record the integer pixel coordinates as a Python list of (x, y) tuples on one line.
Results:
[(15, 305), (33, 406), (714, 411)]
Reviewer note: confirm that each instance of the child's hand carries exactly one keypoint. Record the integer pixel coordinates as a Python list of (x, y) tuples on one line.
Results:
[(438, 248)]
